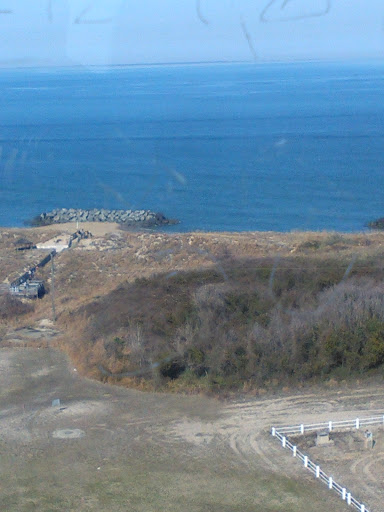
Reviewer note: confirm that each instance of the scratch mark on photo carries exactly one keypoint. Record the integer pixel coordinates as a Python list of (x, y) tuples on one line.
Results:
[(248, 38), (349, 268), (199, 13), (49, 11), (314, 14), (272, 276), (79, 19)]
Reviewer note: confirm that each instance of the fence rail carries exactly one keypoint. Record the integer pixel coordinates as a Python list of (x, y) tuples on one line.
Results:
[(280, 433), (331, 425)]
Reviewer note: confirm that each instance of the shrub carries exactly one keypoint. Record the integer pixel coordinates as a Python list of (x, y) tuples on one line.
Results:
[(256, 322), (11, 307), (171, 368)]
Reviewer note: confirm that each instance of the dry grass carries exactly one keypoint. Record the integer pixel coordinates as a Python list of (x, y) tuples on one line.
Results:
[(144, 465), (141, 452), (100, 264), (113, 257)]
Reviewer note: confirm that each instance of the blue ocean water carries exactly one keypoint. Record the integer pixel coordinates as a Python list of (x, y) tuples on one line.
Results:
[(217, 146)]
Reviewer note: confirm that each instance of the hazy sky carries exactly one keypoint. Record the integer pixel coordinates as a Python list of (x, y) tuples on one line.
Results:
[(155, 31)]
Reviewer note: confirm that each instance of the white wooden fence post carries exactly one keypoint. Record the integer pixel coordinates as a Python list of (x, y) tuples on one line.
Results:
[(283, 441), (273, 432), (344, 493), (362, 508), (317, 471), (330, 426), (349, 498), (330, 482), (302, 429), (294, 451), (357, 423), (305, 461)]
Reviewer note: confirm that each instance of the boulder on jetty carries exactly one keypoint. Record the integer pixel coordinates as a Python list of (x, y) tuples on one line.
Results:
[(127, 218)]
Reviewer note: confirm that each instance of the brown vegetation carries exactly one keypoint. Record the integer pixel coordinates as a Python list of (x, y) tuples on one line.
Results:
[(208, 311), (11, 307), (248, 322)]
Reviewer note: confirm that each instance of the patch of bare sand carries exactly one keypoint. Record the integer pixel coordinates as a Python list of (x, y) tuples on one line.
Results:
[(244, 427), (42, 373), (96, 228), (77, 409), (351, 460), (123, 424), (14, 424), (194, 432), (27, 423), (5, 360)]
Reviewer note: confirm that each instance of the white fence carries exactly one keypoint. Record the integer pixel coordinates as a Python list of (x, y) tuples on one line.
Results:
[(331, 425), (281, 434)]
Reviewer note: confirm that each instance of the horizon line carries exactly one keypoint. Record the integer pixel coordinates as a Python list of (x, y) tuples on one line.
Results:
[(193, 63)]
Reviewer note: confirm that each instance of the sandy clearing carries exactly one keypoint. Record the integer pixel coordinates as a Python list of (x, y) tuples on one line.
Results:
[(245, 428), (124, 427), (77, 409), (96, 228), (350, 460)]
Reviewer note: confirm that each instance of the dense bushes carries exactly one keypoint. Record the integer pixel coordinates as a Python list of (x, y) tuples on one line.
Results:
[(344, 328), (254, 322)]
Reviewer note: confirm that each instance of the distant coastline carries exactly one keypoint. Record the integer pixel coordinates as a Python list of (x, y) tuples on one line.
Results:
[(25, 64)]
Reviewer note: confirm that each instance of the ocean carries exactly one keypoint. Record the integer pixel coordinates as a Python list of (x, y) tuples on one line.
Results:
[(237, 147)]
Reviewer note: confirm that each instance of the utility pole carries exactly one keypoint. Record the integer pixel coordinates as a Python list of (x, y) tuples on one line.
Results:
[(53, 289)]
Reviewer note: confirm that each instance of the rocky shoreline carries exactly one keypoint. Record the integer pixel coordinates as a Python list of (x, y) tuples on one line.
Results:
[(127, 218)]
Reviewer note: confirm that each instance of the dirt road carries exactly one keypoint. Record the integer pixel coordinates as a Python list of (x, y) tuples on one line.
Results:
[(108, 448)]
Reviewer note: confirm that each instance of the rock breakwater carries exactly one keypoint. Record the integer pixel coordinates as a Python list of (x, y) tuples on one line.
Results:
[(134, 218)]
